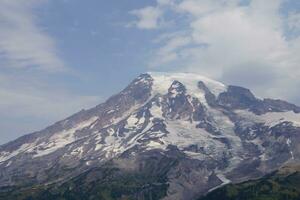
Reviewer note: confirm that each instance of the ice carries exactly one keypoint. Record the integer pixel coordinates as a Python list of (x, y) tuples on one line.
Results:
[(184, 134), (162, 82), (271, 118)]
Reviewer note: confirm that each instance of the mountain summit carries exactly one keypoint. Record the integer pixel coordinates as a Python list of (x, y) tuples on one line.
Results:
[(165, 136)]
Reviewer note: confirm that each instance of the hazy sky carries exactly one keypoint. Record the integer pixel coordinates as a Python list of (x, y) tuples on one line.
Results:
[(60, 56)]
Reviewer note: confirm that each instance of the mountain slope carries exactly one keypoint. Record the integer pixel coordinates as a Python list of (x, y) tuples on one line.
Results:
[(280, 185), (208, 135)]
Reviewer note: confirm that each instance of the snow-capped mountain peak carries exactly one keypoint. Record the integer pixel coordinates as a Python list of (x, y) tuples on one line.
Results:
[(226, 130), (162, 82)]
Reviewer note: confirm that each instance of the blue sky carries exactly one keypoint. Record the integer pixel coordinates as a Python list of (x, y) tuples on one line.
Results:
[(59, 56)]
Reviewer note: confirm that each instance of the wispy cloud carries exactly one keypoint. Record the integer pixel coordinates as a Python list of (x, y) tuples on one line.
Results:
[(294, 21), (23, 44), (223, 38), (148, 18), (28, 104), (29, 96), (151, 17), (30, 65)]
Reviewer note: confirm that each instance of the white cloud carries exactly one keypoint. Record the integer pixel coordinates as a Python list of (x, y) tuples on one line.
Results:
[(26, 111), (223, 37), (294, 21), (148, 18), (36, 103), (29, 96), (152, 17), (30, 104), (28, 100), (168, 52), (23, 44)]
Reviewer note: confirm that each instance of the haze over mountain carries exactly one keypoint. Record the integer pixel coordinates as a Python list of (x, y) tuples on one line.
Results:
[(165, 136)]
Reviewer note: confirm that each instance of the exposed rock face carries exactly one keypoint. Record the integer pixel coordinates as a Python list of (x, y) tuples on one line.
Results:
[(237, 98), (190, 133)]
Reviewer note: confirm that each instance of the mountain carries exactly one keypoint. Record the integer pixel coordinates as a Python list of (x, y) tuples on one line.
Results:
[(165, 136)]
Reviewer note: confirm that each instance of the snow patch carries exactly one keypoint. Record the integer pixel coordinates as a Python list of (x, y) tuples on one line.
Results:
[(289, 142), (132, 121), (61, 139), (156, 111), (98, 147), (4, 156), (8, 164), (110, 111), (78, 151), (223, 179), (154, 144)]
